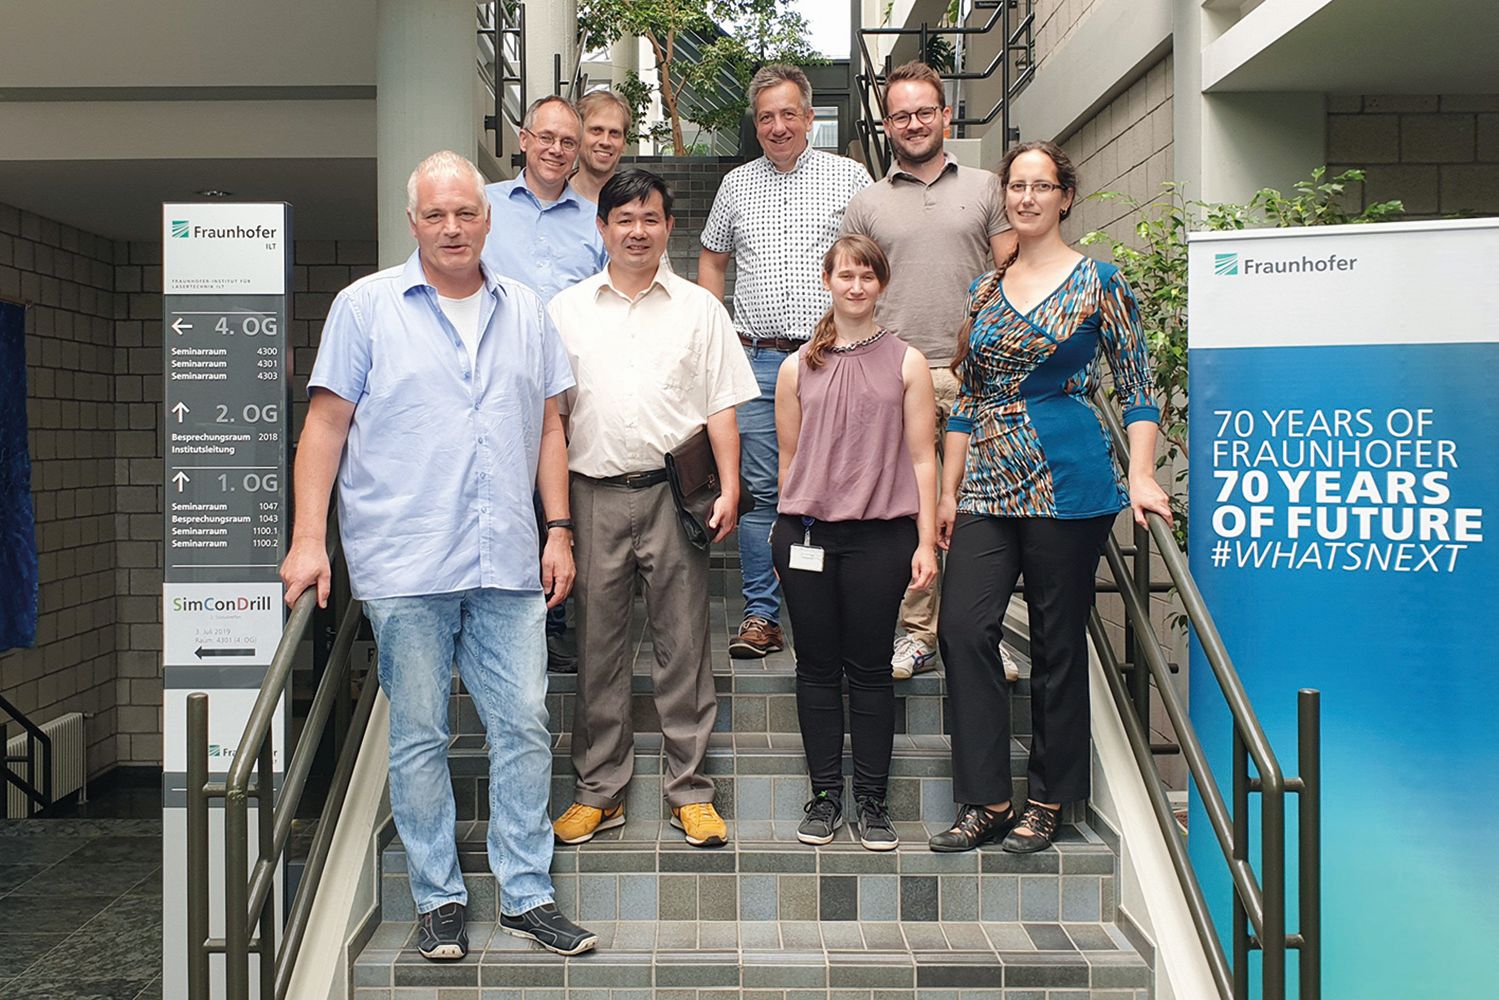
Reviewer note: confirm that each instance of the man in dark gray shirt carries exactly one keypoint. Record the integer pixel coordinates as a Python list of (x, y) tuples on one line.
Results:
[(941, 225)]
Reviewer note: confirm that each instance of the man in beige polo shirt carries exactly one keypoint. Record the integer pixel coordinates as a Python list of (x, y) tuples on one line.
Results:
[(656, 359), (941, 225)]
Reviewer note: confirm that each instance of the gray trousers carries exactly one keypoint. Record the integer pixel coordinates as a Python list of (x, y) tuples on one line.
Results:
[(623, 534)]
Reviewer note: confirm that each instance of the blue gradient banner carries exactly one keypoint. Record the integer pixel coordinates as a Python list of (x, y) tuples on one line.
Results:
[(1341, 504), (18, 559)]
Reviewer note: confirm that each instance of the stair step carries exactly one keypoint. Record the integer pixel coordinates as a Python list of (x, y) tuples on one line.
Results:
[(786, 959), (754, 696), (647, 872), (757, 776)]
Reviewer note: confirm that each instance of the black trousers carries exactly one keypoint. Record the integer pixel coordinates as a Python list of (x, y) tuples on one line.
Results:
[(843, 619), (1058, 559)]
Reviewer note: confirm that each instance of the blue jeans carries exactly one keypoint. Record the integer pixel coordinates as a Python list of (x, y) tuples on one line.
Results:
[(758, 469), (497, 637)]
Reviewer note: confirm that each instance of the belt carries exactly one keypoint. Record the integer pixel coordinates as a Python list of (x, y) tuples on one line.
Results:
[(786, 344), (634, 480)]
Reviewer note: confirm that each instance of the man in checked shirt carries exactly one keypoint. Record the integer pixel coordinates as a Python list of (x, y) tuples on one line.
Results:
[(775, 216)]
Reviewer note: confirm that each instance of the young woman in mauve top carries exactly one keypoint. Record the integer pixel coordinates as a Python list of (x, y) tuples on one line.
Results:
[(855, 420), (1030, 487)]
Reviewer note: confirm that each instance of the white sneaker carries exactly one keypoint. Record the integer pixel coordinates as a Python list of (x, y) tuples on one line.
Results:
[(911, 656), (1012, 667)]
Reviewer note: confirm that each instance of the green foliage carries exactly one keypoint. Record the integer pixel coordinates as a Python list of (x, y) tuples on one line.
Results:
[(1155, 265), (755, 32)]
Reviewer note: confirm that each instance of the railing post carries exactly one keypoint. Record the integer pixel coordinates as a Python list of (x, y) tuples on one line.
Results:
[(1240, 852), (265, 827), (1273, 861), (236, 893), (1309, 833), (197, 844), (1139, 678)]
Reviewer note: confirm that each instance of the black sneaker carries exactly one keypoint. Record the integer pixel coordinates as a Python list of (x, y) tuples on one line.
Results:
[(546, 925), (441, 934), (876, 832), (560, 659), (824, 816)]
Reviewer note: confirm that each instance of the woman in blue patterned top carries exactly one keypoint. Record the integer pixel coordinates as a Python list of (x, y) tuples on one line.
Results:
[(1030, 487)]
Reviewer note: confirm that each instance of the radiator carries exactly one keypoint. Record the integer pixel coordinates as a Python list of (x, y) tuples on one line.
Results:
[(69, 761)]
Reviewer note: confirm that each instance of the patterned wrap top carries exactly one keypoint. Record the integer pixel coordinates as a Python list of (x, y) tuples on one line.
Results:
[(1037, 448)]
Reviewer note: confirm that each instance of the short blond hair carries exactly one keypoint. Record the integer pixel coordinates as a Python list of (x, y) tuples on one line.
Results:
[(596, 100)]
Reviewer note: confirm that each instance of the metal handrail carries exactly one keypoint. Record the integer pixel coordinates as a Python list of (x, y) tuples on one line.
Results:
[(36, 739), (1258, 907), (499, 20), (1017, 39), (249, 893)]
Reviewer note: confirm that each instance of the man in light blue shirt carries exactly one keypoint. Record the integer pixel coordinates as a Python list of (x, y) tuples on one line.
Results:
[(545, 231), (433, 401)]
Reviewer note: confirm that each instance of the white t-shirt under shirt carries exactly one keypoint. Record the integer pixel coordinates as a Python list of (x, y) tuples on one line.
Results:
[(464, 315)]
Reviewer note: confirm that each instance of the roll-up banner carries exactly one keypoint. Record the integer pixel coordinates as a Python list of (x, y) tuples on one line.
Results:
[(1344, 474)]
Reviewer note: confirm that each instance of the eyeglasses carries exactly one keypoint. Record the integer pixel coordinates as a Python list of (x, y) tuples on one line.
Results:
[(924, 115), (547, 140), (1036, 187)]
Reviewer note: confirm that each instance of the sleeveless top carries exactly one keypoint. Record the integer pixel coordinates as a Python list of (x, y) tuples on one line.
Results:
[(851, 462)]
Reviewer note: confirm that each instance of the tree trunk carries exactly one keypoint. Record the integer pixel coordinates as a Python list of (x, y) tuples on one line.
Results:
[(664, 59)]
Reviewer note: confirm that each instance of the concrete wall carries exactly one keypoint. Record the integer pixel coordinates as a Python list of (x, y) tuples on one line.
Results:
[(93, 352), (1056, 20), (1438, 154)]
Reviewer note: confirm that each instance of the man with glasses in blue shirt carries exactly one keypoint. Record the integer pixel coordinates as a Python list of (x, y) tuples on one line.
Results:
[(546, 236), (546, 239), (433, 402)]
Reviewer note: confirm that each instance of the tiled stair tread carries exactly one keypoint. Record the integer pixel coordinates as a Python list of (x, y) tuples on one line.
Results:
[(738, 744), (775, 955), (772, 847)]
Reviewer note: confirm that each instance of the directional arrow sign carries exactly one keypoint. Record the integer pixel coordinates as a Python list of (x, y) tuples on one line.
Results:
[(201, 652), (182, 410), (178, 326), (181, 480)]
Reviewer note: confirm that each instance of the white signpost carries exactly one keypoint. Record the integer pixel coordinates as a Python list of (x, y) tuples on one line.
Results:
[(227, 298)]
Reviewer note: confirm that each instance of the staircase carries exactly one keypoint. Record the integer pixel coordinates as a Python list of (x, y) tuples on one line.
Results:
[(766, 917)]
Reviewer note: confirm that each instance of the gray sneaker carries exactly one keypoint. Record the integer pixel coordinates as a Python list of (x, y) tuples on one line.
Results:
[(824, 817), (546, 925), (876, 832), (441, 933)]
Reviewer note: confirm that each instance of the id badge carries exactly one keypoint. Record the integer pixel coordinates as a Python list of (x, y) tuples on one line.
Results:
[(806, 557)]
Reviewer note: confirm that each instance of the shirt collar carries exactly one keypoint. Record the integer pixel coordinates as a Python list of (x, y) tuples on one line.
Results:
[(412, 275), (567, 195), (659, 281), (801, 160), (949, 164)]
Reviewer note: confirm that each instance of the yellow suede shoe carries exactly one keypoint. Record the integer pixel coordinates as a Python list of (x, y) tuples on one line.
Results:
[(701, 823), (580, 822)]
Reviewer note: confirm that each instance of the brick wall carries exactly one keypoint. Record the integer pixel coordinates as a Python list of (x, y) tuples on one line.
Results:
[(67, 276), (1056, 20), (1438, 154), (1125, 147)]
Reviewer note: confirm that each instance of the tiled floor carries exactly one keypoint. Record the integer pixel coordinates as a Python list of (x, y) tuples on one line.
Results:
[(80, 909)]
